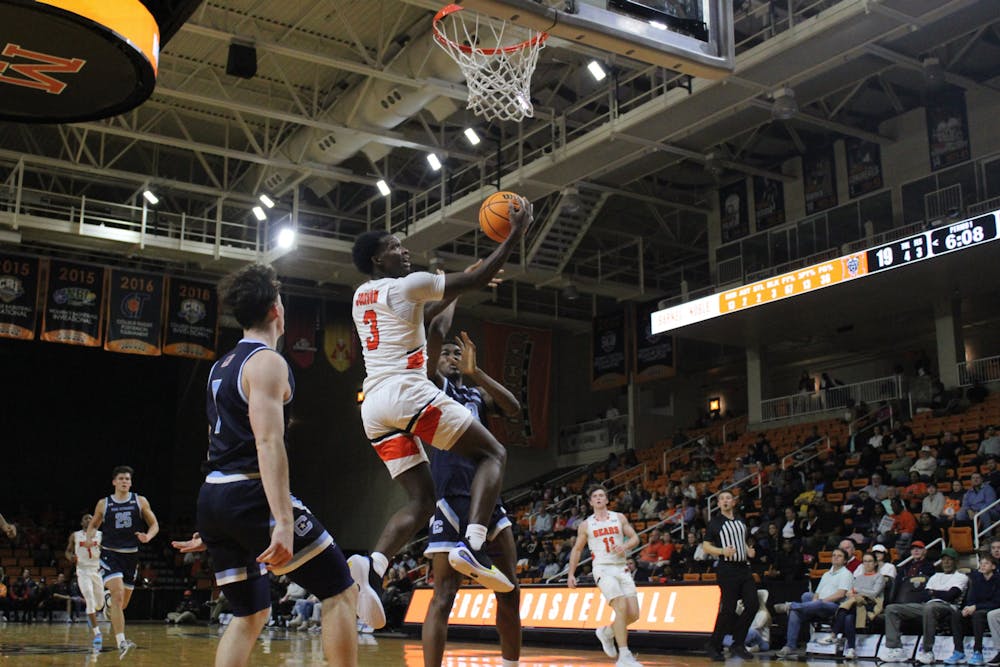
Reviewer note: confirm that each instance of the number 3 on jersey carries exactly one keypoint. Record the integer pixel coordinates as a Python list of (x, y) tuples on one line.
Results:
[(371, 319)]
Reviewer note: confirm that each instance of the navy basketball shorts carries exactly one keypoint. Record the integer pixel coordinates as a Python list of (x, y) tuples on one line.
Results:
[(118, 565), (451, 516), (234, 522)]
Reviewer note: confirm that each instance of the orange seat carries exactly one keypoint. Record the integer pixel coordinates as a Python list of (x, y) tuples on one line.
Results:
[(826, 557), (842, 484), (860, 482), (691, 576), (960, 539), (708, 576)]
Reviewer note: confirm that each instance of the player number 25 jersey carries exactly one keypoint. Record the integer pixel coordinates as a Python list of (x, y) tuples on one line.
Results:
[(603, 536), (389, 317)]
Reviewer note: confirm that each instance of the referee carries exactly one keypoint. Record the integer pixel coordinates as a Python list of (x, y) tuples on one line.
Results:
[(727, 541)]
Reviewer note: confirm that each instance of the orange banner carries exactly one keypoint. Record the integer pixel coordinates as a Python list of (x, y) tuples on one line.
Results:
[(661, 608)]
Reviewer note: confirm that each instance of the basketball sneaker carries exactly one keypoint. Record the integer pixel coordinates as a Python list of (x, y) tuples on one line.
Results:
[(369, 584), (478, 566), (124, 647), (97, 641), (607, 638)]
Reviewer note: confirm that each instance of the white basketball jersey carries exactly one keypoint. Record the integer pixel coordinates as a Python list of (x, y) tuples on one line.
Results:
[(87, 558), (389, 317), (602, 536)]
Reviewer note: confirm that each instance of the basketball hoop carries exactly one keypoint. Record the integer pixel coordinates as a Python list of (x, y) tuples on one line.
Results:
[(499, 78)]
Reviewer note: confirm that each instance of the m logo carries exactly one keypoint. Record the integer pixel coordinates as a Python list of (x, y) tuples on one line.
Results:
[(36, 75)]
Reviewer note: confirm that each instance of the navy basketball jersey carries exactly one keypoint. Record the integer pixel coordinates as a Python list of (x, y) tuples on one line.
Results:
[(121, 522), (231, 445), (453, 473)]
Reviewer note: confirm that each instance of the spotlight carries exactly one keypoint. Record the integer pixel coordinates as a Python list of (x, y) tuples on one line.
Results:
[(286, 237), (785, 106), (258, 213), (266, 201), (596, 70), (471, 136), (434, 162), (571, 202), (150, 197), (383, 187), (360, 396)]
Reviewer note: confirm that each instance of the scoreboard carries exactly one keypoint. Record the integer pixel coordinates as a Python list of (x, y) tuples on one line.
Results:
[(901, 252)]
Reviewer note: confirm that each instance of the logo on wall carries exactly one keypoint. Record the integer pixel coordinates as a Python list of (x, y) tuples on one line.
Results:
[(338, 344), (132, 305), (74, 296), (191, 311), (853, 264), (11, 288)]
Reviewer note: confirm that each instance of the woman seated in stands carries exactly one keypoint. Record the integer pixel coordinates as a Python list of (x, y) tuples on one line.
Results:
[(862, 605), (883, 563), (651, 506)]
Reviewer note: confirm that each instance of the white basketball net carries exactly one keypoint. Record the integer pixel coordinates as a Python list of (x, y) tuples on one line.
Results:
[(497, 70)]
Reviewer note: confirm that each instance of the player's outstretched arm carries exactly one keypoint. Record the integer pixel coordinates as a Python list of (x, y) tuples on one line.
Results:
[(437, 330), (458, 283), (496, 396), (265, 383), (576, 552), (96, 520), (70, 549)]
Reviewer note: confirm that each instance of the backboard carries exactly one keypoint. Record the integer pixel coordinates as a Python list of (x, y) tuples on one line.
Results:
[(689, 36)]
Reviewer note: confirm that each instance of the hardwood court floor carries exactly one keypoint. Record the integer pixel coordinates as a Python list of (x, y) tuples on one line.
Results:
[(160, 645)]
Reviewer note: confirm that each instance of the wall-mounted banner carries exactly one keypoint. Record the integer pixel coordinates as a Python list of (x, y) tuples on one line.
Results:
[(192, 322), (521, 360), (733, 211), (948, 130), (654, 353), (135, 313), (819, 180), (20, 280), (608, 366), (864, 166), (340, 338), (74, 304), (768, 202)]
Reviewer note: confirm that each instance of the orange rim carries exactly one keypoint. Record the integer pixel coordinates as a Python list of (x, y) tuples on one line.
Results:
[(451, 9)]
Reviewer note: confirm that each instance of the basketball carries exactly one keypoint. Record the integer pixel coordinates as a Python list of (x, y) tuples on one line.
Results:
[(493, 215)]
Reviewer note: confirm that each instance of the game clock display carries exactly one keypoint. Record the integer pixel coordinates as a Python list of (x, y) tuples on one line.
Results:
[(933, 243)]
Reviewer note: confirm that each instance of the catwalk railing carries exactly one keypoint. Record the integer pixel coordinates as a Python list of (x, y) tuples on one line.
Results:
[(838, 397), (980, 370)]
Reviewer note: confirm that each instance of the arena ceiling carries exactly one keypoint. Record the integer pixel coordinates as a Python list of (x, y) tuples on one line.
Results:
[(347, 93)]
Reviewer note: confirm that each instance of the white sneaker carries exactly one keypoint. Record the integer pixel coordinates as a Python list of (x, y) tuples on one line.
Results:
[(895, 655), (828, 640), (781, 608), (787, 652), (370, 609), (849, 654), (607, 638), (925, 657), (626, 659)]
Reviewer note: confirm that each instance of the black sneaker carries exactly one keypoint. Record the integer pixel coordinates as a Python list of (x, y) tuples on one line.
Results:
[(715, 654), (741, 651), (478, 566), (369, 584)]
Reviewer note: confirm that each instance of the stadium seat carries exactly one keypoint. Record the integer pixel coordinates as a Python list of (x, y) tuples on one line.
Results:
[(708, 576), (691, 576), (960, 539)]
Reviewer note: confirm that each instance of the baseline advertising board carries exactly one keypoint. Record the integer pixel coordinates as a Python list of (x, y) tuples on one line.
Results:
[(681, 609), (901, 252)]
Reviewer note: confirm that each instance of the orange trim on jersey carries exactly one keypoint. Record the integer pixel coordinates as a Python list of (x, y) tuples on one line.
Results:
[(399, 447), (427, 425)]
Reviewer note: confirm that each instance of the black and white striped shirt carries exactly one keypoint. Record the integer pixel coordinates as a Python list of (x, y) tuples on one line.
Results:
[(723, 532)]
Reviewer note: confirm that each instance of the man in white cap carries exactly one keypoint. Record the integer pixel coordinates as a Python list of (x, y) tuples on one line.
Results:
[(925, 465)]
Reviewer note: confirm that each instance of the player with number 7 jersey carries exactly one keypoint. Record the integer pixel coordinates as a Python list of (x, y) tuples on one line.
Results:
[(403, 409)]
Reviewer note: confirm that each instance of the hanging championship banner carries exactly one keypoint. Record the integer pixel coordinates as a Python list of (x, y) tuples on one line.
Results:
[(340, 339), (521, 360), (192, 321), (864, 166), (607, 344), (301, 323), (948, 130), (768, 202), (74, 305), (19, 289), (819, 180), (654, 354), (733, 211), (135, 313)]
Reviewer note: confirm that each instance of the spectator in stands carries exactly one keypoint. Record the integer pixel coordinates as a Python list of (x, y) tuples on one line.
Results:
[(861, 511), (541, 523), (904, 524), (913, 575), (980, 496), (293, 593), (186, 611), (396, 598), (549, 567), (878, 437), (573, 521), (990, 446), (810, 530), (862, 605), (899, 468), (767, 457), (759, 635), (685, 514), (686, 561), (651, 507), (914, 491), (928, 603), (822, 604), (933, 502), (790, 526), (925, 465), (948, 450), (559, 526), (982, 598), (60, 597), (788, 565), (995, 549), (655, 556), (927, 531), (992, 472), (688, 489), (852, 561), (876, 489), (882, 561)]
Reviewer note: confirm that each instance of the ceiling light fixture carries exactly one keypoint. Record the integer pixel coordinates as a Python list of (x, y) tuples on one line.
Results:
[(383, 187), (258, 213), (434, 162), (150, 197), (571, 202), (596, 70), (785, 106), (266, 201), (286, 238), (471, 136)]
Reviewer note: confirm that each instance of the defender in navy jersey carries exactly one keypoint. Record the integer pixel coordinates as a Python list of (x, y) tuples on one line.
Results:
[(453, 474), (247, 517), (125, 520)]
